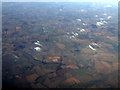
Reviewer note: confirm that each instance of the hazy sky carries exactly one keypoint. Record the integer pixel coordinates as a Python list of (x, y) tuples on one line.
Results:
[(61, 1)]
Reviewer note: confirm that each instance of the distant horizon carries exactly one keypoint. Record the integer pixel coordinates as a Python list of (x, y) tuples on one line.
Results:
[(59, 44), (108, 1), (112, 2)]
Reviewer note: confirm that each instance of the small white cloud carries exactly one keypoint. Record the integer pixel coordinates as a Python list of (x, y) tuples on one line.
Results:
[(73, 36), (37, 48), (104, 14), (108, 6), (109, 17), (15, 56), (104, 22), (82, 10), (38, 43), (94, 44), (82, 30), (78, 28), (84, 24), (60, 9), (72, 32), (68, 33), (99, 23), (96, 15), (78, 19), (92, 48), (101, 19), (76, 34)]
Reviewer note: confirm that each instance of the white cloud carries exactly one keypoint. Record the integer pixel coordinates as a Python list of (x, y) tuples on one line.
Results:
[(37, 48)]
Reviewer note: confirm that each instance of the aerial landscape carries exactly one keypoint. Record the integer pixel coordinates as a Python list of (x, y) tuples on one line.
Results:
[(59, 45)]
